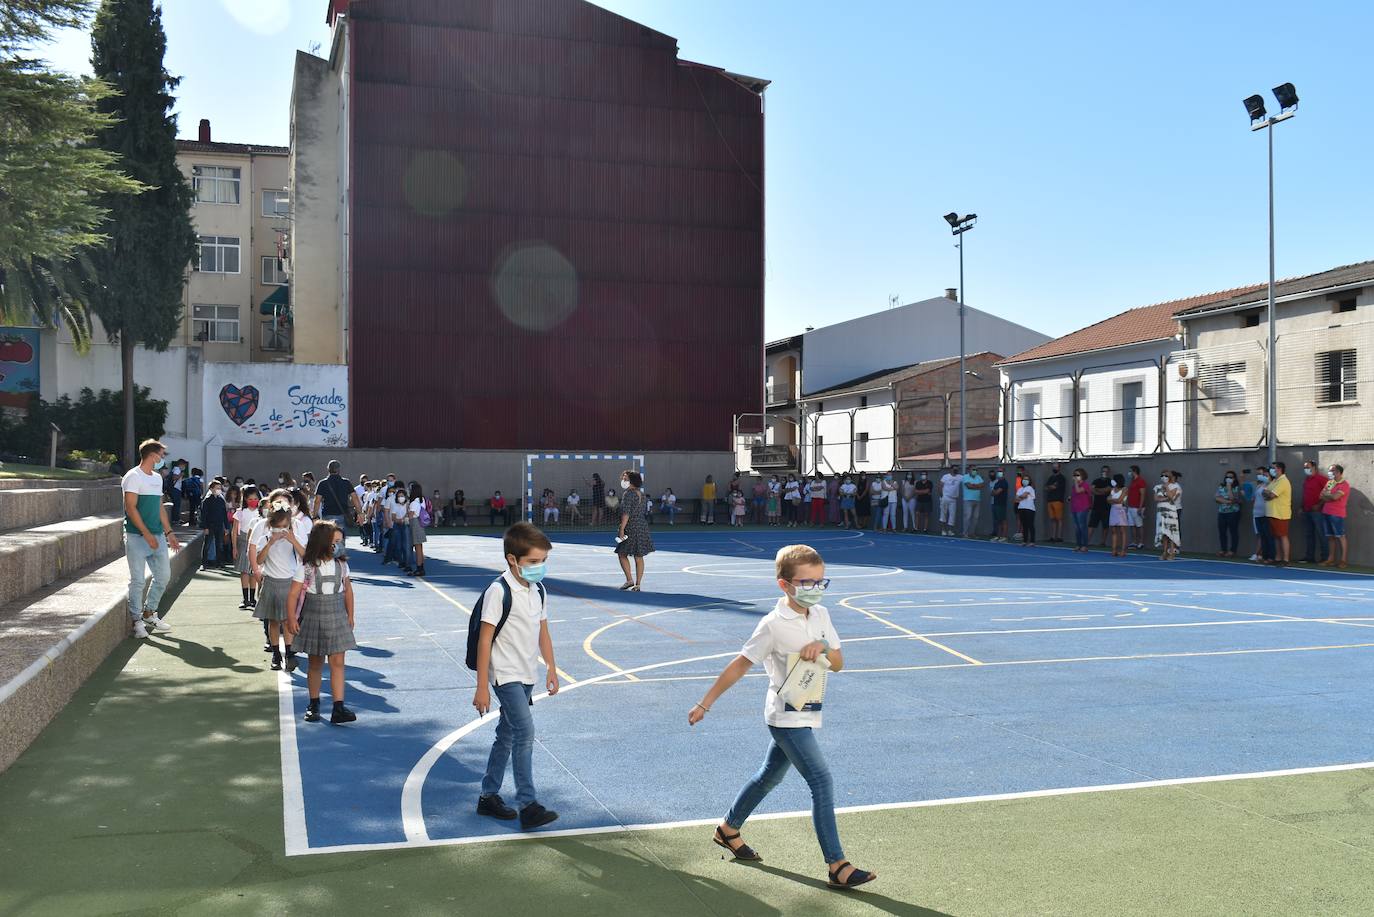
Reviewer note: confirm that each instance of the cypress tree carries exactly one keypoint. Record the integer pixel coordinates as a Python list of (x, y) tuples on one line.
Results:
[(142, 268)]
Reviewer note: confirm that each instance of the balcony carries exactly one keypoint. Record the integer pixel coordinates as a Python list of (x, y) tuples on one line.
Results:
[(773, 458), (778, 394)]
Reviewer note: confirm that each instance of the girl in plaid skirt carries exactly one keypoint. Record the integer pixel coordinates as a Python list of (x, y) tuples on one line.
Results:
[(324, 628)]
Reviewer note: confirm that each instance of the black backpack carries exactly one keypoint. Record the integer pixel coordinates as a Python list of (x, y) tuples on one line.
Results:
[(475, 619)]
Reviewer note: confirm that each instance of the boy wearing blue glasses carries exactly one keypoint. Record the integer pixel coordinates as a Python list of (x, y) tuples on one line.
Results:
[(798, 626)]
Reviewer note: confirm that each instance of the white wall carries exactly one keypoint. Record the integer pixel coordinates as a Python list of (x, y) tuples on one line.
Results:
[(840, 428), (274, 404), (1042, 414), (927, 330)]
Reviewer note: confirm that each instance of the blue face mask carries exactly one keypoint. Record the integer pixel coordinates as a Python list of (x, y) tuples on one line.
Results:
[(534, 573), (336, 550), (159, 464)]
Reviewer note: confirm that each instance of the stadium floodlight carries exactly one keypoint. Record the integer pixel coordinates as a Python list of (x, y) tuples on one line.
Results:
[(958, 225), (1287, 97)]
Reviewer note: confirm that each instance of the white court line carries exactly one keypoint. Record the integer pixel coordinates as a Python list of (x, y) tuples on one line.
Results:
[(843, 810), (292, 791)]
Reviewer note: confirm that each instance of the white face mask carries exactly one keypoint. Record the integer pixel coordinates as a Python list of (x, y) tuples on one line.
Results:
[(624, 485), (1163, 479), (1331, 473), (1308, 471)]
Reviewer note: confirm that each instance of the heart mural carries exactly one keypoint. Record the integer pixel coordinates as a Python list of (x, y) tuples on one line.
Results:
[(238, 403)]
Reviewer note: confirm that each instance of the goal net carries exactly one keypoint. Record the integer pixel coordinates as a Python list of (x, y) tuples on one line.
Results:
[(562, 488)]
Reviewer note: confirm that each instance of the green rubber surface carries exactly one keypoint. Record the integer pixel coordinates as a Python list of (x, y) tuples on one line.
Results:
[(158, 791)]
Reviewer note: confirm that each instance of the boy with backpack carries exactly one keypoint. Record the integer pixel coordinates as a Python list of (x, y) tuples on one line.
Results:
[(508, 631)]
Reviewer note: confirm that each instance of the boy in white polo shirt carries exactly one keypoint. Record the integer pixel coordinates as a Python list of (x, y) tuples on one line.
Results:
[(508, 664), (798, 625)]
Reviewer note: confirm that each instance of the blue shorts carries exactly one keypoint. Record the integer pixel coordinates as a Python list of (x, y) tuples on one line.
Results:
[(1333, 526), (846, 503)]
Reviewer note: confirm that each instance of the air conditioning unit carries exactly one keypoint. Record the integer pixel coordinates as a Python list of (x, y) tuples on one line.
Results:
[(1185, 369)]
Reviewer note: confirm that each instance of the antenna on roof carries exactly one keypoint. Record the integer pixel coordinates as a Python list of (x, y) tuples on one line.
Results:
[(893, 300), (314, 49)]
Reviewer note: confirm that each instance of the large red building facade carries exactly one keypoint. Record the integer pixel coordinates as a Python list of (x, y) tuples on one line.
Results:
[(556, 234)]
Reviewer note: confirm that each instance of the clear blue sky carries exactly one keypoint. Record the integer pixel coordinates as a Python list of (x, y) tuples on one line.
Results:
[(1106, 152)]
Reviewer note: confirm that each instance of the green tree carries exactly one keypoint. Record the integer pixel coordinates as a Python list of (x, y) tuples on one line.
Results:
[(51, 176), (142, 269)]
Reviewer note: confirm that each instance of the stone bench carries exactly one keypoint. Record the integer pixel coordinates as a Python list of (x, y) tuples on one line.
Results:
[(36, 557), (33, 506)]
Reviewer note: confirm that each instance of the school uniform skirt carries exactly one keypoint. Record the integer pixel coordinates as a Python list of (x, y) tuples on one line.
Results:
[(324, 626), (272, 599), (241, 563), (417, 531)]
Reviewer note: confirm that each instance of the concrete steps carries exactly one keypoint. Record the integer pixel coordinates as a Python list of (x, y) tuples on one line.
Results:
[(55, 637), (26, 507), (34, 557)]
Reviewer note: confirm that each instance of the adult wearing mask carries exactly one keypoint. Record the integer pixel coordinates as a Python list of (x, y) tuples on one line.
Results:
[(889, 503), (1334, 497), (925, 502), (1229, 502), (875, 503), (1264, 550), (214, 522), (1313, 525), (1101, 511), (973, 485), (1279, 500), (1080, 506), (1001, 489), (909, 503), (1135, 507), (147, 537), (1055, 490), (1168, 501), (949, 500), (708, 501), (633, 539)]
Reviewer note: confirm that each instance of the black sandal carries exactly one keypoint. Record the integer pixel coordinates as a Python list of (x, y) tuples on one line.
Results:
[(856, 878), (742, 852)]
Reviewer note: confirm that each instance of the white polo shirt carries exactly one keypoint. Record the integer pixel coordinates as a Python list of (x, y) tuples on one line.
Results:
[(783, 631), (515, 651)]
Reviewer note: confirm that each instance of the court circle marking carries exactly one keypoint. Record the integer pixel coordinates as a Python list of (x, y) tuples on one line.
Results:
[(700, 570)]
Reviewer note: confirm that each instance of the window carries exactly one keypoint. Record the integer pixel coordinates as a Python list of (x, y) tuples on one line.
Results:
[(863, 401), (219, 324), (215, 184), (1030, 422), (1250, 319), (1336, 377), (275, 337), (861, 448), (272, 274), (1225, 383), (1132, 404), (219, 254), (275, 204), (1345, 305)]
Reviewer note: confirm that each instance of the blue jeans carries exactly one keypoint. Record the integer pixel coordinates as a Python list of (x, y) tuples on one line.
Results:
[(1228, 531), (1080, 528), (341, 522), (514, 743), (139, 555), (209, 553), (794, 747)]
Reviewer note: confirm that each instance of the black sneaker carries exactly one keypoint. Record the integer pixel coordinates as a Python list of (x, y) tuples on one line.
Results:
[(292, 663), (494, 807), (276, 664), (342, 714), (312, 712), (244, 605), (267, 647), (536, 816)]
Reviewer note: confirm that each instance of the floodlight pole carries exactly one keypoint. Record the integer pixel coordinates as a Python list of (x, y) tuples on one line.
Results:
[(1272, 395), (963, 401)]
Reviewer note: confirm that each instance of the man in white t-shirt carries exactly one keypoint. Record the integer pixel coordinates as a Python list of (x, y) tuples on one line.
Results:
[(950, 482), (147, 537)]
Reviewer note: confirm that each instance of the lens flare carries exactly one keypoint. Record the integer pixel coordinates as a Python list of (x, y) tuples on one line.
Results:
[(535, 286)]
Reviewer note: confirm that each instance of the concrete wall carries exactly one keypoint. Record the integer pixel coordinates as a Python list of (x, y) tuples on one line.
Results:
[(1203, 471), (477, 473), (316, 203), (913, 333)]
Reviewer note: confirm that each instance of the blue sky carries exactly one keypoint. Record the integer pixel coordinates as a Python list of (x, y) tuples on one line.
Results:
[(1106, 151)]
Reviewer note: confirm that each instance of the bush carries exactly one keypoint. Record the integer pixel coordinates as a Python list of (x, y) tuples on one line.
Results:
[(92, 426)]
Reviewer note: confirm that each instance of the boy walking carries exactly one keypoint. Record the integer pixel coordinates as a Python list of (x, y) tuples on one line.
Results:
[(514, 633)]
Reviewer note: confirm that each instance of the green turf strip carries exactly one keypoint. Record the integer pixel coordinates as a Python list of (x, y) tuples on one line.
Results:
[(158, 791)]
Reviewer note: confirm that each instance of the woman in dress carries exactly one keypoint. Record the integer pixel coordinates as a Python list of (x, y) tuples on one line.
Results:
[(633, 539), (1116, 515), (1168, 501)]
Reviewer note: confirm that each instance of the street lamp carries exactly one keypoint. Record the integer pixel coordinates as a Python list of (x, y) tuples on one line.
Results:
[(1287, 97), (958, 225)]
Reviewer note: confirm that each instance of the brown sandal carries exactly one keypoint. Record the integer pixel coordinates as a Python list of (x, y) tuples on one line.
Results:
[(856, 876), (742, 852)]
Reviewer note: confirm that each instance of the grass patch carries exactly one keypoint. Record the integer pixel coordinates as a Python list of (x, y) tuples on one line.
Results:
[(44, 473)]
